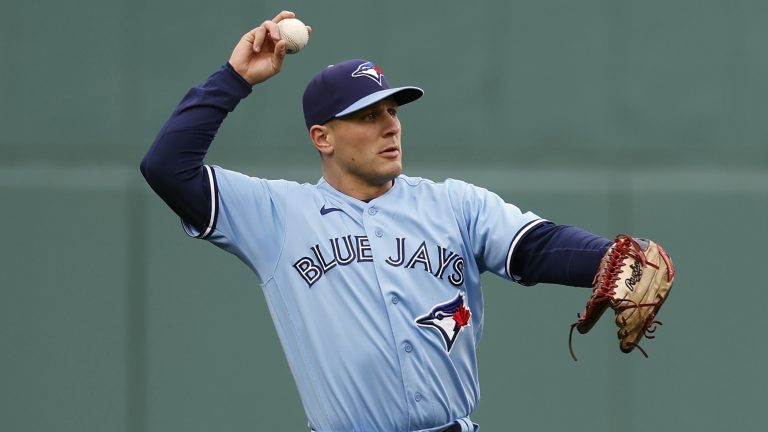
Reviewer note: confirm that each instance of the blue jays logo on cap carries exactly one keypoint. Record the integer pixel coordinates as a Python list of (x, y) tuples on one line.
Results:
[(448, 319), (369, 70)]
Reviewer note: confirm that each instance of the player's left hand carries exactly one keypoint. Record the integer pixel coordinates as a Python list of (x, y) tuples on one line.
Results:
[(634, 279)]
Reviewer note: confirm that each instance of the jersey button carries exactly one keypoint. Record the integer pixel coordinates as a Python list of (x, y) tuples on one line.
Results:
[(395, 299), (379, 232), (418, 397), (408, 348), (372, 211)]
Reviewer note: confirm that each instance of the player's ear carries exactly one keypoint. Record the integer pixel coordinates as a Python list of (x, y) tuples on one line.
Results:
[(322, 138)]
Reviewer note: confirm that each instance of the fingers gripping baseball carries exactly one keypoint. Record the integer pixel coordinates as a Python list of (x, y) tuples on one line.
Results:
[(260, 53)]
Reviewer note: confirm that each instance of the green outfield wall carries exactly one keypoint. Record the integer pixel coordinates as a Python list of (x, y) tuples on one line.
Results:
[(645, 117)]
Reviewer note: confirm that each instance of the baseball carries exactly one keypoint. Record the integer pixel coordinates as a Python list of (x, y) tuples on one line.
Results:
[(295, 34)]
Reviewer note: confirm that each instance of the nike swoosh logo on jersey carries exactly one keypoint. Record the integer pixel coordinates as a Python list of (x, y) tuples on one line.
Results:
[(324, 211)]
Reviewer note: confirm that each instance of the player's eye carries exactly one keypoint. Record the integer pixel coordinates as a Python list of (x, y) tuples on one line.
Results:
[(393, 111)]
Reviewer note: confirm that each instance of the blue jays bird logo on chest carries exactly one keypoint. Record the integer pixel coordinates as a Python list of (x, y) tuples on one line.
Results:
[(448, 319)]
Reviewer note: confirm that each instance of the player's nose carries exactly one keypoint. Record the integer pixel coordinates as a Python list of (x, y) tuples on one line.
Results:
[(391, 124)]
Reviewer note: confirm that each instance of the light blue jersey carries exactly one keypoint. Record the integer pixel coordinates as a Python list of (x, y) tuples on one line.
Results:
[(378, 305)]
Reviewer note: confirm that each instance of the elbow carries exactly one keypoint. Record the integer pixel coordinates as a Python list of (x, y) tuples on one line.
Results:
[(147, 168), (155, 169), (157, 176)]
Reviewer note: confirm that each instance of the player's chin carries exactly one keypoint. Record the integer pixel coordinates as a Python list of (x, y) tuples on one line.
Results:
[(393, 168), (386, 173)]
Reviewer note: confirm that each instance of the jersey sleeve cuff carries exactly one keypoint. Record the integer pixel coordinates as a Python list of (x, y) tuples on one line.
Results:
[(516, 241), (213, 193)]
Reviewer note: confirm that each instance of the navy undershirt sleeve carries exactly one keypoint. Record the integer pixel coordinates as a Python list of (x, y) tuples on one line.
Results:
[(559, 254), (173, 166)]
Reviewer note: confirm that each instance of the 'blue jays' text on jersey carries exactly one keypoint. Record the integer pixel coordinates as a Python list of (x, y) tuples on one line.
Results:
[(377, 304)]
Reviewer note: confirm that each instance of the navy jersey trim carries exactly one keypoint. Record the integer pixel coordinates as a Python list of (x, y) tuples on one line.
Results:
[(213, 193), (516, 240)]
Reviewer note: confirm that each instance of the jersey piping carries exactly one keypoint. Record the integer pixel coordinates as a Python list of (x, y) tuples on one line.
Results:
[(213, 192), (515, 240)]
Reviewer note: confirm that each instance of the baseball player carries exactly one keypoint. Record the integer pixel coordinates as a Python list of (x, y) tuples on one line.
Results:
[(372, 277)]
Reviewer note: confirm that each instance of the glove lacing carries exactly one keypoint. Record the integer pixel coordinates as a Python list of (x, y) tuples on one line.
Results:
[(605, 284)]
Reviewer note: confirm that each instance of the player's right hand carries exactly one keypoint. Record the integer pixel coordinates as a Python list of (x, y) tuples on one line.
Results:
[(260, 53)]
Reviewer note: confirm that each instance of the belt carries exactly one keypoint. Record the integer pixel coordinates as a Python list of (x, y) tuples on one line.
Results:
[(454, 427)]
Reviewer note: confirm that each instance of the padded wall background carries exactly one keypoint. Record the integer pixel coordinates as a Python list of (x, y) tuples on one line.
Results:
[(613, 115)]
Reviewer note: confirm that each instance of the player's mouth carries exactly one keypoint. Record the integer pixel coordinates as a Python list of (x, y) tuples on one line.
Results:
[(390, 152)]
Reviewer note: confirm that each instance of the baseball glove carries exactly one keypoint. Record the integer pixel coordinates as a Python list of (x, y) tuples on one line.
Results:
[(634, 279)]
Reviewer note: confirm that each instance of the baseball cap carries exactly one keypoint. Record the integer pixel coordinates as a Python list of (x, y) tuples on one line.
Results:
[(346, 87)]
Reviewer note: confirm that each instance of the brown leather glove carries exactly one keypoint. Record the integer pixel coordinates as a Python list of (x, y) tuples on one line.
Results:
[(634, 279)]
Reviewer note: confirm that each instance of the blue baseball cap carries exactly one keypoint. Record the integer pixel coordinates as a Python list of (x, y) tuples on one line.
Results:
[(346, 87)]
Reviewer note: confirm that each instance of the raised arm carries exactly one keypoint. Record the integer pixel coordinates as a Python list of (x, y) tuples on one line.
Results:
[(173, 166)]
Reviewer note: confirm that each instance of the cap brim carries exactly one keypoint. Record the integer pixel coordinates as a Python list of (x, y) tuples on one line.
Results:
[(401, 95)]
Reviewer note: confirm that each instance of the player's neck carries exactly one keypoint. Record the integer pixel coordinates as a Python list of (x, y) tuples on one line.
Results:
[(358, 189)]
